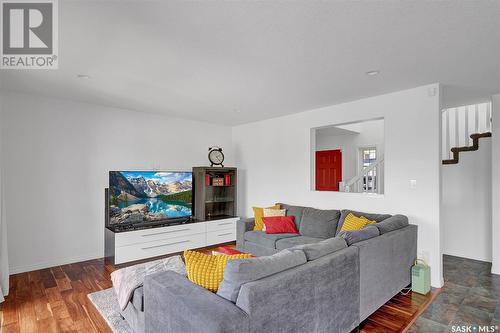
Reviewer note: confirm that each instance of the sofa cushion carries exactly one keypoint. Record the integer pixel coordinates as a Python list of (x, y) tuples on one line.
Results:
[(392, 223), (319, 223), (138, 298), (355, 236), (317, 250), (353, 222), (241, 271), (369, 216), (286, 243), (296, 211), (280, 225), (267, 240), (258, 213), (271, 212), (207, 270)]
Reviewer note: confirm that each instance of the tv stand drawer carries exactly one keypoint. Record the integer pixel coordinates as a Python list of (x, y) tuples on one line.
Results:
[(222, 224), (221, 236), (158, 248), (160, 233)]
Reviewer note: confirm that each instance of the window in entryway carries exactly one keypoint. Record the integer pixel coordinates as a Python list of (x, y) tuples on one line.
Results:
[(368, 157)]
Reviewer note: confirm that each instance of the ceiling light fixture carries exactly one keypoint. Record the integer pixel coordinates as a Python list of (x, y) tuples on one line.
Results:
[(372, 73), (83, 76)]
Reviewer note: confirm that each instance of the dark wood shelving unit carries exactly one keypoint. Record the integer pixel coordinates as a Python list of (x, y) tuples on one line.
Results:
[(213, 201)]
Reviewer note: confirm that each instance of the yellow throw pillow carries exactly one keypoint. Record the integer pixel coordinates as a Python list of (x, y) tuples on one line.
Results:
[(258, 213), (352, 222), (208, 270)]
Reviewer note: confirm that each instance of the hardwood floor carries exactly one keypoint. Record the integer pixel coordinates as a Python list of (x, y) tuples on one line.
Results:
[(55, 300), (399, 313)]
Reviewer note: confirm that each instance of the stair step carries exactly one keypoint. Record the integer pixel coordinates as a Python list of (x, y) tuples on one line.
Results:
[(481, 135), (450, 161), (467, 148), (475, 146)]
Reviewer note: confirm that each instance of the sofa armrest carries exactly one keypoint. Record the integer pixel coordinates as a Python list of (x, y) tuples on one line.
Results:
[(172, 303), (392, 223), (385, 267), (319, 296), (242, 226)]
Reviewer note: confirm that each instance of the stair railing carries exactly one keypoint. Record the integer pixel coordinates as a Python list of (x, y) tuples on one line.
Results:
[(369, 180), (460, 122)]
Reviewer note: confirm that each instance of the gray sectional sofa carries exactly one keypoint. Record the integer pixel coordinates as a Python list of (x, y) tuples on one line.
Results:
[(386, 250), (322, 280)]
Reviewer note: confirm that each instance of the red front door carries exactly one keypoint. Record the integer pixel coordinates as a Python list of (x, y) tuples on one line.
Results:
[(328, 170)]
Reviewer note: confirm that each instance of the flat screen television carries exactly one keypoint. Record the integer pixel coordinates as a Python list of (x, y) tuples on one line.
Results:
[(148, 197)]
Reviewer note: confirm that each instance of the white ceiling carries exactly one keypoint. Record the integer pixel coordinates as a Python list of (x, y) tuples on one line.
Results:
[(205, 59), (334, 131)]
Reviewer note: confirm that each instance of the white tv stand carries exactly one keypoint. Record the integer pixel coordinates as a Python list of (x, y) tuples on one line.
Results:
[(126, 246)]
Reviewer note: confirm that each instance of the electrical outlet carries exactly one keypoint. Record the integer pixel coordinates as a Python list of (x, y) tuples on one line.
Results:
[(413, 183)]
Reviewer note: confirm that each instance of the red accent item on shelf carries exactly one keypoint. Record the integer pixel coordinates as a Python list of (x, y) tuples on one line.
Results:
[(207, 180), (227, 179), (280, 225)]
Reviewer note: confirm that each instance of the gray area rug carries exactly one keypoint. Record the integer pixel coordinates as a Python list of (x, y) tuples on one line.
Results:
[(106, 303)]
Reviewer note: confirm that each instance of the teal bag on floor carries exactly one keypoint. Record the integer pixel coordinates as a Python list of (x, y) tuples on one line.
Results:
[(421, 277)]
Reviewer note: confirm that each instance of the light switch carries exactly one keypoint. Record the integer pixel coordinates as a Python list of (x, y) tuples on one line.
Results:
[(413, 183)]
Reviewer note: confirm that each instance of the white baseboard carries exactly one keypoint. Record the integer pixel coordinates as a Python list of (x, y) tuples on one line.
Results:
[(468, 256), (54, 262), (439, 284), (495, 269)]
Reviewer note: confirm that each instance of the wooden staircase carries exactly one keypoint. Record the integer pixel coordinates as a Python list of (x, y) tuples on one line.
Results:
[(475, 146)]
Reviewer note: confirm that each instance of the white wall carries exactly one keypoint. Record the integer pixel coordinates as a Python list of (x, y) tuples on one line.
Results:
[(57, 157), (274, 159), (466, 205), (371, 133), (4, 265), (495, 148)]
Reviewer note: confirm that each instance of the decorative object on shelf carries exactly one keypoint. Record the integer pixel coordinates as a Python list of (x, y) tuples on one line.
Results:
[(217, 181), (227, 179), (216, 156), (207, 180)]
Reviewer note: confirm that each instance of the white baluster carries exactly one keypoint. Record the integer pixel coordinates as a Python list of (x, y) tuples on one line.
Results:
[(466, 126), (375, 178), (366, 182), (488, 117), (476, 118), (456, 129), (448, 134), (379, 188), (379, 173)]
